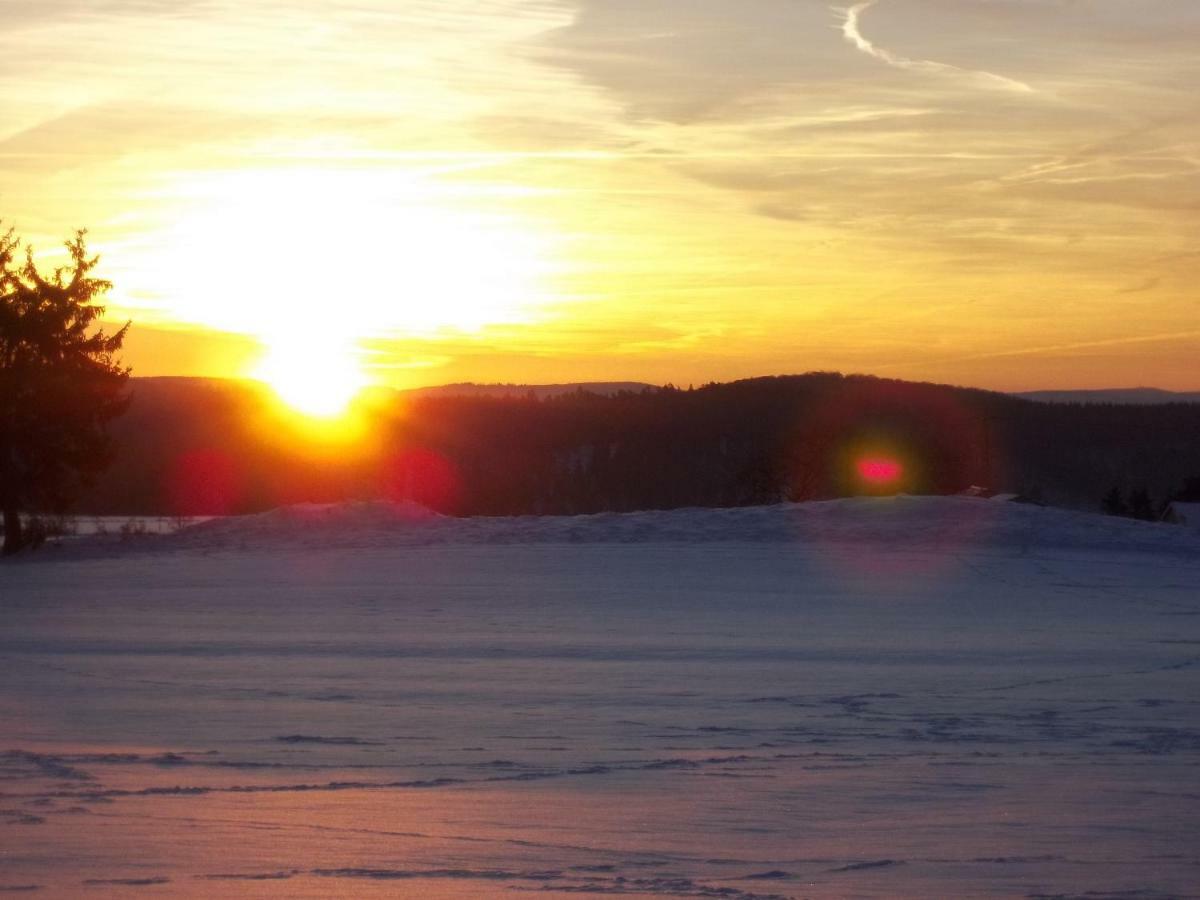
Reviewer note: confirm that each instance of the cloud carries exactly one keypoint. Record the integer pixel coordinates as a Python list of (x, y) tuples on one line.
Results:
[(1068, 347), (1146, 284), (852, 32)]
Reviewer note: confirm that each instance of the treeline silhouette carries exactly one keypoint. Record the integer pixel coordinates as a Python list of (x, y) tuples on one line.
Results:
[(194, 446)]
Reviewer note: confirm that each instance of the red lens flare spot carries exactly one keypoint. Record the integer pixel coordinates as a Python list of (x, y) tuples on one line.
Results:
[(204, 483), (424, 477), (880, 471)]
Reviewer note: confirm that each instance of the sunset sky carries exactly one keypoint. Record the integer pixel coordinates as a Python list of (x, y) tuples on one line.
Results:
[(1002, 193)]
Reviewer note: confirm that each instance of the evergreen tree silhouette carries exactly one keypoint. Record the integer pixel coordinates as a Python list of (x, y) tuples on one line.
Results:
[(1113, 503), (60, 382), (1141, 506), (1190, 492)]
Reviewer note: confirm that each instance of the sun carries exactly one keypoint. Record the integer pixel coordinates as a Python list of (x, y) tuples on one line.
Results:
[(316, 264), (317, 380)]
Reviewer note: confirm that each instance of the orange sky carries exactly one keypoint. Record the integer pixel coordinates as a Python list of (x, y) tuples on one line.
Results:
[(1001, 193)]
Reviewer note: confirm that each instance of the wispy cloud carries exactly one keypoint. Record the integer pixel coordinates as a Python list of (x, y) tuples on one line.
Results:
[(1072, 346), (852, 32)]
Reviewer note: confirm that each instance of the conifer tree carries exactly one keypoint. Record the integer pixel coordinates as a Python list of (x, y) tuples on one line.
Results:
[(1141, 506), (60, 382), (1113, 503)]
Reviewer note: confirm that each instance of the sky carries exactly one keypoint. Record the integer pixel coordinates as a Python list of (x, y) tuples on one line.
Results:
[(1000, 193)]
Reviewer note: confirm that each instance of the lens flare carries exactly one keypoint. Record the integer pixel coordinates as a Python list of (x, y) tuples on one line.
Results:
[(879, 471), (205, 482)]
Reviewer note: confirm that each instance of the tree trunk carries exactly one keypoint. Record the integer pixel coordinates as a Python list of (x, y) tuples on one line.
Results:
[(14, 539)]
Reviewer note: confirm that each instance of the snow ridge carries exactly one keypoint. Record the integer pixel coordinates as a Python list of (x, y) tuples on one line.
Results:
[(945, 523)]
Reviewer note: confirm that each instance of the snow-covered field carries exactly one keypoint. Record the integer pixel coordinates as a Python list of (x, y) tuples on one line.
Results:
[(872, 698)]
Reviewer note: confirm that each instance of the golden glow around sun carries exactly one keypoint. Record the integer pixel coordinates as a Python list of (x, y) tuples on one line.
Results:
[(312, 263)]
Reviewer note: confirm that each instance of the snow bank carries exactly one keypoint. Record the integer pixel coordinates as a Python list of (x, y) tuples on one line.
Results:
[(944, 523), (313, 518)]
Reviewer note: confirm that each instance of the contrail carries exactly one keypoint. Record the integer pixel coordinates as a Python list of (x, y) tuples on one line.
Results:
[(854, 36), (1056, 348), (1080, 345)]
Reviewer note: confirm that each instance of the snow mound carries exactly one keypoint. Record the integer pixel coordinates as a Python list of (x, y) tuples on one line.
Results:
[(312, 519), (943, 523)]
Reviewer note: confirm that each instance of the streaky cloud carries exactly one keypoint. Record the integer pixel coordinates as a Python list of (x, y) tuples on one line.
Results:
[(1051, 349), (852, 32)]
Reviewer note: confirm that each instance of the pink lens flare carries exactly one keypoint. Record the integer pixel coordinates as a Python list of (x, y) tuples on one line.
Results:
[(880, 471)]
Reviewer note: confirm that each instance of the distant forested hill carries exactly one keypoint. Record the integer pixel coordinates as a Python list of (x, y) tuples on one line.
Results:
[(469, 389), (1139, 395), (191, 446)]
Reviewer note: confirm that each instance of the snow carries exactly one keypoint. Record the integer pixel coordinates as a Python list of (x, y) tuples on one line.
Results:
[(924, 522), (907, 697)]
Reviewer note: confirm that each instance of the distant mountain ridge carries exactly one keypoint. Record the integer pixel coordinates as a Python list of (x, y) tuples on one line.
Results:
[(1124, 396), (191, 446), (1147, 396), (471, 389)]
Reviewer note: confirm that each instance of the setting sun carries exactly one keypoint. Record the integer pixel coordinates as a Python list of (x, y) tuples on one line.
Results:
[(313, 263), (312, 379)]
